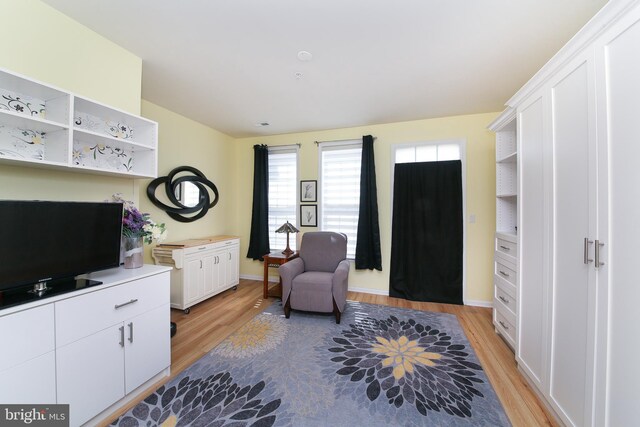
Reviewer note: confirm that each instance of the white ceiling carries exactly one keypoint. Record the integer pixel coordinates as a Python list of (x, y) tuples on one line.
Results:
[(232, 64)]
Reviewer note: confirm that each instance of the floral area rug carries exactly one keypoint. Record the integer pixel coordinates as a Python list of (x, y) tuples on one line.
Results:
[(382, 366)]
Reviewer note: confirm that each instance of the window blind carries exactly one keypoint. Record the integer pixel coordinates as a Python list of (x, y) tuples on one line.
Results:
[(283, 179), (340, 191)]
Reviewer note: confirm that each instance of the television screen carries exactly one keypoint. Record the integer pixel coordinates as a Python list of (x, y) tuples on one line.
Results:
[(41, 241)]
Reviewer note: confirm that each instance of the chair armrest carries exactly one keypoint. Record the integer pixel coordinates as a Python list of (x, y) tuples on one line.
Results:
[(340, 283), (288, 272)]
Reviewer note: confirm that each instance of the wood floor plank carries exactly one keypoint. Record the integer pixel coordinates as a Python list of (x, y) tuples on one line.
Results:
[(211, 321)]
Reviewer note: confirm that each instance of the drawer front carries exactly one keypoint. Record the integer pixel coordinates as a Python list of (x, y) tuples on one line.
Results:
[(504, 326), (504, 272), (505, 299), (78, 317), (26, 335), (506, 250)]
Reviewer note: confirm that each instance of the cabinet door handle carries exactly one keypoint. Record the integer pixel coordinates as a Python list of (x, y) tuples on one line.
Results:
[(200, 263), (505, 248), (126, 303), (598, 246), (121, 336), (131, 332), (504, 274), (503, 324), (229, 256), (585, 256), (503, 299)]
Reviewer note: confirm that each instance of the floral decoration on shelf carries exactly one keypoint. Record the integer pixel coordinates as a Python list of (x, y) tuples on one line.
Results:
[(137, 224)]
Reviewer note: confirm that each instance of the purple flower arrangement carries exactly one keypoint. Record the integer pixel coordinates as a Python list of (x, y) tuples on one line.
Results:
[(137, 224)]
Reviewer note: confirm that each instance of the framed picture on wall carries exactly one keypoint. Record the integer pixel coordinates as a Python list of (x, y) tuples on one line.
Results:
[(309, 191), (308, 215)]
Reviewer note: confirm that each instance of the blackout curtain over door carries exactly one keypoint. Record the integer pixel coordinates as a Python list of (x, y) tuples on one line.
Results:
[(368, 254), (427, 241), (259, 238)]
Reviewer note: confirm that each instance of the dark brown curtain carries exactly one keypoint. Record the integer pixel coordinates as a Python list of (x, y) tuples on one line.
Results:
[(368, 254), (259, 238), (426, 241)]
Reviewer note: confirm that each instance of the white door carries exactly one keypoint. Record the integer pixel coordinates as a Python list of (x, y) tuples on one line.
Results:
[(620, 177), (532, 299), (194, 278), (30, 382), (231, 263), (90, 373), (210, 273), (574, 204), (147, 346)]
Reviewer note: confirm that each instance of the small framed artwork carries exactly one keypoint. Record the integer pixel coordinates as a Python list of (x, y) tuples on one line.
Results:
[(308, 191), (308, 215)]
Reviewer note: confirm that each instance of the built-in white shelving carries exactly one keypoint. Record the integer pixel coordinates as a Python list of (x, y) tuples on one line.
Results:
[(42, 126)]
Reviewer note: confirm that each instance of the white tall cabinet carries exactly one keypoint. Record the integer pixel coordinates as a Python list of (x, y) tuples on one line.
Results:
[(578, 122)]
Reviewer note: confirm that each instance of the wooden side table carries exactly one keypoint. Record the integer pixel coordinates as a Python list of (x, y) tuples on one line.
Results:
[(274, 259)]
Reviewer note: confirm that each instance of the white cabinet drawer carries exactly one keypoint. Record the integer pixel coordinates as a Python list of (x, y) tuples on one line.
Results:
[(504, 299), (504, 272), (86, 314), (505, 326), (26, 335), (506, 249)]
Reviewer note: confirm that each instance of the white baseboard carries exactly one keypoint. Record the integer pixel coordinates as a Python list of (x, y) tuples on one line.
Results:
[(487, 304), (369, 291), (383, 292), (258, 278)]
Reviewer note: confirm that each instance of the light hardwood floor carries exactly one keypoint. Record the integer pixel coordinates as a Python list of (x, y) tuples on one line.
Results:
[(212, 321)]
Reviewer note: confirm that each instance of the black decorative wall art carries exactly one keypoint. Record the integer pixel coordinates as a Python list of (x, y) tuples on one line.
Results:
[(180, 211)]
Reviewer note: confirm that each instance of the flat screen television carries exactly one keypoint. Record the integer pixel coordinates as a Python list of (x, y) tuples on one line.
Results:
[(45, 241)]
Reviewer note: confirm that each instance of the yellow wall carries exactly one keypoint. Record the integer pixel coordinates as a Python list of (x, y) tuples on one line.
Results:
[(41, 43), (184, 142), (480, 190)]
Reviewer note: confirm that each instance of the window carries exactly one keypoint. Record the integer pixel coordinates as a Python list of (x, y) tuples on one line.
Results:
[(283, 194), (426, 152), (340, 190)]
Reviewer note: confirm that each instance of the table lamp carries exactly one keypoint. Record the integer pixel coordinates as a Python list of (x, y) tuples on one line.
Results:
[(287, 227)]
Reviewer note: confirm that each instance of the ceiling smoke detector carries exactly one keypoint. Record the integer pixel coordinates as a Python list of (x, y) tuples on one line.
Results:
[(305, 56)]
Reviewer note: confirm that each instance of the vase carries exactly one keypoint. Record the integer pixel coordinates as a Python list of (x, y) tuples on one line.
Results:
[(133, 251)]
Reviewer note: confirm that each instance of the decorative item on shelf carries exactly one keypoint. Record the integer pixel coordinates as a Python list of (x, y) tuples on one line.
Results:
[(137, 229), (174, 187), (287, 227), (308, 191), (133, 251)]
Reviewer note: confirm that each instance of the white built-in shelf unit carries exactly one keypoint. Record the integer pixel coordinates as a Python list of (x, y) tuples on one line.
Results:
[(43, 126), (506, 176)]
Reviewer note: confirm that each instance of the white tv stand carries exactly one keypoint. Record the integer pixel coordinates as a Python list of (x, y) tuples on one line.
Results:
[(94, 348)]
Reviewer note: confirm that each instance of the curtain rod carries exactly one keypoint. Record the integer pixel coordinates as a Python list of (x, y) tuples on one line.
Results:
[(341, 140), (285, 146)]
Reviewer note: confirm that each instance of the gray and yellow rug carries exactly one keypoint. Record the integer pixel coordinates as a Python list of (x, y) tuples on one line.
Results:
[(382, 366)]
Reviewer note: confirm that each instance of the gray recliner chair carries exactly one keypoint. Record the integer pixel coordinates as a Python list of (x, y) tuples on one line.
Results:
[(317, 280)]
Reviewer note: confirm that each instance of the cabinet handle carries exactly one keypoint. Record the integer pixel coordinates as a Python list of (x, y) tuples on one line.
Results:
[(503, 299), (229, 256), (126, 303), (585, 256), (204, 247), (200, 263), (598, 262), (505, 248), (131, 332), (503, 324), (121, 336), (504, 274)]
